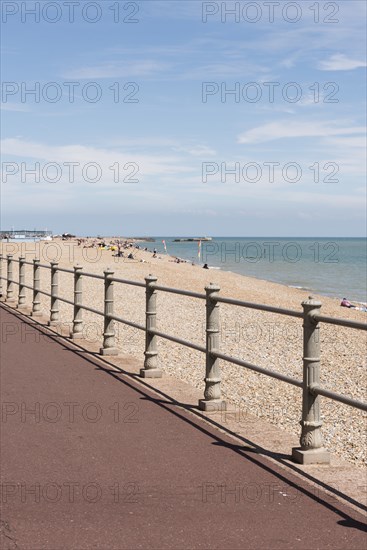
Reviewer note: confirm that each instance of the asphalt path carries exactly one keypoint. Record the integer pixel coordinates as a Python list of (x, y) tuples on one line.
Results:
[(94, 460)]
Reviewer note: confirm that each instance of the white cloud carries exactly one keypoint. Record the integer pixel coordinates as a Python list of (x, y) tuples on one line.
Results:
[(328, 200), (353, 141), (14, 107), (296, 128), (148, 164), (197, 151), (340, 62), (143, 68)]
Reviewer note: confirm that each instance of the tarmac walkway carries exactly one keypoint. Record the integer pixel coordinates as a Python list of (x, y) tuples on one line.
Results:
[(92, 459)]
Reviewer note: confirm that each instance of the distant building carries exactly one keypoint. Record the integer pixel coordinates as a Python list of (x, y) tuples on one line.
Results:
[(24, 234)]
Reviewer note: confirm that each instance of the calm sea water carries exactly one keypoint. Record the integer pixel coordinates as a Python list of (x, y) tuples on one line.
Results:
[(328, 266)]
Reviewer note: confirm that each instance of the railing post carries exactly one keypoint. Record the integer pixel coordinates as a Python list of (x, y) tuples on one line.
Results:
[(36, 304), (1, 275), (311, 450), (109, 346), (212, 394), (10, 281), (150, 369), (22, 294), (54, 310), (77, 330)]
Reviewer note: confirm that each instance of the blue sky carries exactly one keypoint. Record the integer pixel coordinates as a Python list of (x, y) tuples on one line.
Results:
[(157, 158)]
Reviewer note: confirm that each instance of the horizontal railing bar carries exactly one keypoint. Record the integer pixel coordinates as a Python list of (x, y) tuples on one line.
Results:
[(177, 340), (24, 286), (65, 270), (261, 307), (341, 322), (125, 322), (92, 275), (316, 390), (179, 291), (81, 306), (92, 310), (256, 368), (44, 265), (125, 281), (16, 260), (25, 261)]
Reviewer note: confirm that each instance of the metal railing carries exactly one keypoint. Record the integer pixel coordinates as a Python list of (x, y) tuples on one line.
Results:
[(311, 450)]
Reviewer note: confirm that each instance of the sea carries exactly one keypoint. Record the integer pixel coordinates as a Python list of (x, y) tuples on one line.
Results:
[(334, 267)]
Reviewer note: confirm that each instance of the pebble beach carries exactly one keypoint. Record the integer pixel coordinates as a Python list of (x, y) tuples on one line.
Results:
[(269, 340)]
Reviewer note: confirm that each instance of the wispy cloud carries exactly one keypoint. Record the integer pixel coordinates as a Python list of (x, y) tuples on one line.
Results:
[(340, 62), (143, 68), (197, 151), (336, 201), (149, 165), (350, 141), (14, 107), (296, 129)]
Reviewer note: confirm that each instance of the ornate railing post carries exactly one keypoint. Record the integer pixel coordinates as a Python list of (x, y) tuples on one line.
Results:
[(36, 304), (150, 369), (22, 294), (212, 394), (109, 346), (54, 309), (311, 450), (10, 281), (77, 330), (1, 275)]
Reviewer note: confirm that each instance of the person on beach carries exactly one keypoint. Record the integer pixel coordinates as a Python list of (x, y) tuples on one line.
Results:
[(205, 266), (346, 303), (119, 253)]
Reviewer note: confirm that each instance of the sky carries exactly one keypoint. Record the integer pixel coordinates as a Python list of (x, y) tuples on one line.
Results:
[(184, 118)]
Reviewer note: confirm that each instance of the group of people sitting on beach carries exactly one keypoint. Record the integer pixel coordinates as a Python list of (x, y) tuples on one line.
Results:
[(116, 246)]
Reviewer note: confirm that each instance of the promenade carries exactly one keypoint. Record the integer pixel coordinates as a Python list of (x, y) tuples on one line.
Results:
[(94, 459)]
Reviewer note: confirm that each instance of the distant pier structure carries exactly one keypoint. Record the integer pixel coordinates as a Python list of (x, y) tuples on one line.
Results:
[(25, 234)]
